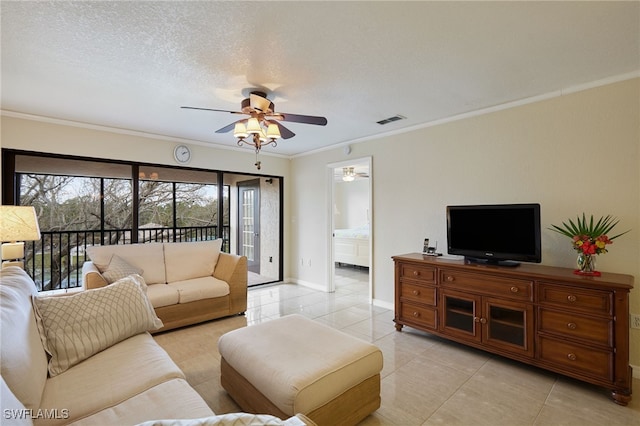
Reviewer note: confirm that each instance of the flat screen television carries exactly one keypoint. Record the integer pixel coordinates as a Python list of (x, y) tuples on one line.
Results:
[(502, 234)]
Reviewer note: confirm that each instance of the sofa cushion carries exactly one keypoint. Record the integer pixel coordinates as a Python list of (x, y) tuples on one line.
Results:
[(75, 327), (119, 268), (148, 257), (22, 356), (14, 413), (200, 288), (172, 399), (162, 295), (184, 261), (110, 377)]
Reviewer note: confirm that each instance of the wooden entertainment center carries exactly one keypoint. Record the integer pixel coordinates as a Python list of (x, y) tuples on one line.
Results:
[(541, 315)]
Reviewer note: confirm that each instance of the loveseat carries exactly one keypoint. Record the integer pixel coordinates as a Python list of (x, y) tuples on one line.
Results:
[(87, 359), (188, 282)]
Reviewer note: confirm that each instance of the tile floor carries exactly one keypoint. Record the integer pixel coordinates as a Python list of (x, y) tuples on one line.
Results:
[(425, 380)]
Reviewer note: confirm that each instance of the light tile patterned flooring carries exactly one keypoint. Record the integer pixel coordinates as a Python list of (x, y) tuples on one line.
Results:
[(425, 380)]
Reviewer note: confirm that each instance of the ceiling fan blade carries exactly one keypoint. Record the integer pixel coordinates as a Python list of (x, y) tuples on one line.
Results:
[(227, 128), (210, 109), (306, 119), (284, 132)]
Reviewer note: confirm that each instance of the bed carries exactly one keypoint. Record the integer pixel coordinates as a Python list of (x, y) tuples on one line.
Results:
[(351, 246)]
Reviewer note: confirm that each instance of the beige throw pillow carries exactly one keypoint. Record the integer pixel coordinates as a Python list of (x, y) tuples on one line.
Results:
[(119, 268), (75, 327)]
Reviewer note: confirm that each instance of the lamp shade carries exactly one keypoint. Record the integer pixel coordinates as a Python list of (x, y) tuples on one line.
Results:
[(273, 131), (253, 126), (18, 223), (240, 131)]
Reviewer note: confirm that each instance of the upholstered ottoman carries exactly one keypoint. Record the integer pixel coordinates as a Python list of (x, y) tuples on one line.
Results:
[(296, 365)]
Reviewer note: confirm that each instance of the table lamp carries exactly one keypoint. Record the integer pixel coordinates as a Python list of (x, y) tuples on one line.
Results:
[(17, 224)]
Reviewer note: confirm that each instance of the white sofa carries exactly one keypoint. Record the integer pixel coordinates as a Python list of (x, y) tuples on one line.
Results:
[(129, 382), (82, 359), (189, 282)]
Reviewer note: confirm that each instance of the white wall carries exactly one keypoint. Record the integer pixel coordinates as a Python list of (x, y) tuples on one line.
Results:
[(351, 204), (572, 154)]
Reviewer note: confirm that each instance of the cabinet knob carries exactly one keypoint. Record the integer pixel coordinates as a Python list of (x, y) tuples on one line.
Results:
[(572, 325), (483, 320), (416, 273), (571, 298), (416, 292), (514, 289), (416, 314), (572, 357), (450, 278), (476, 319)]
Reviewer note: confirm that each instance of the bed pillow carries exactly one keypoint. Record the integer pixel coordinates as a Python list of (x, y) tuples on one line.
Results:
[(73, 328), (119, 268)]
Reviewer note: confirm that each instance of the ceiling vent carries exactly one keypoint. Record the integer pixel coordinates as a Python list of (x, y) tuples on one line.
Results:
[(391, 119)]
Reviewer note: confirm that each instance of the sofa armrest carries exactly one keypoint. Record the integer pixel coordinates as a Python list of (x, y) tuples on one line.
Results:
[(232, 269), (91, 276)]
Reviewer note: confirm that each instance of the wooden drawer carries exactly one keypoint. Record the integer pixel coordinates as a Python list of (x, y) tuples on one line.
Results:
[(597, 330), (417, 272), (576, 299), (425, 316), (578, 358), (418, 293), (511, 288)]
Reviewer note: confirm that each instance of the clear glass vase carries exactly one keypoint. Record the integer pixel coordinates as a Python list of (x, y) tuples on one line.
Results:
[(587, 264)]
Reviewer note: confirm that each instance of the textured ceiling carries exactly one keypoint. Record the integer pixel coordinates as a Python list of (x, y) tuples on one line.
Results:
[(131, 65)]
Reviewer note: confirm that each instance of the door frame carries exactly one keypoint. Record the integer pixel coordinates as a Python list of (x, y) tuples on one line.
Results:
[(331, 287)]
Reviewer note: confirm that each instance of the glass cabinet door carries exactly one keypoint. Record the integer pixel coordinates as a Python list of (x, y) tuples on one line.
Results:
[(508, 325), (460, 314)]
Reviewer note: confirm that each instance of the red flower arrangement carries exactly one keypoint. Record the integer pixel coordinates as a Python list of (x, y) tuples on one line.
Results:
[(588, 239), (590, 245)]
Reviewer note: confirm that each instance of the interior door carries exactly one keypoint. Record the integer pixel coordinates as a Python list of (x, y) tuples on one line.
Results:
[(249, 222)]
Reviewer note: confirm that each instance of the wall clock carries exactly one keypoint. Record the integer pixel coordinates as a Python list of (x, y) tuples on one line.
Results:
[(182, 154)]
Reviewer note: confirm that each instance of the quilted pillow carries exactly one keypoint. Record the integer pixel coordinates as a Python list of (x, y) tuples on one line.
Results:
[(119, 268), (73, 328)]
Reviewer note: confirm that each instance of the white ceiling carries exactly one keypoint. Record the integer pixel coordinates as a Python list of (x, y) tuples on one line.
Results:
[(131, 65)]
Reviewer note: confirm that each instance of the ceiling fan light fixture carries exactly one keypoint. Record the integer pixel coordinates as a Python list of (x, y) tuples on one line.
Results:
[(240, 130), (348, 174), (253, 126), (273, 131)]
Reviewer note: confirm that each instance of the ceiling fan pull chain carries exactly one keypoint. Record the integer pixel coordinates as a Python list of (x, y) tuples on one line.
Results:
[(257, 163)]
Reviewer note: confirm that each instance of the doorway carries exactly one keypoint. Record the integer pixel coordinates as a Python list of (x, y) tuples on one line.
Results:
[(351, 226), (258, 225)]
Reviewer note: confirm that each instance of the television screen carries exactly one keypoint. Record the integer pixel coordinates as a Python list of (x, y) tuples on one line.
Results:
[(500, 233)]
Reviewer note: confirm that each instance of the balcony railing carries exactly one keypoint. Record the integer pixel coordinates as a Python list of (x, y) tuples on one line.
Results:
[(55, 261)]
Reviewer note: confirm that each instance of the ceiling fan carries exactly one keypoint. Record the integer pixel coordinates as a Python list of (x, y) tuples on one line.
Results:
[(259, 107)]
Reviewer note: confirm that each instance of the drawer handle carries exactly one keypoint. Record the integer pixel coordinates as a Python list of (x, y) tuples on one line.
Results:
[(450, 278), (416, 293), (572, 325), (572, 357), (571, 298), (514, 289), (416, 314), (416, 273)]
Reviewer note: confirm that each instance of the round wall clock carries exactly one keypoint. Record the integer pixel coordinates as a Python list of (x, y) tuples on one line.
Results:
[(182, 154)]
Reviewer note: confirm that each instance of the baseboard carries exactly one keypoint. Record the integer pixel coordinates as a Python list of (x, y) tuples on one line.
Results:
[(383, 304), (311, 285), (636, 371)]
